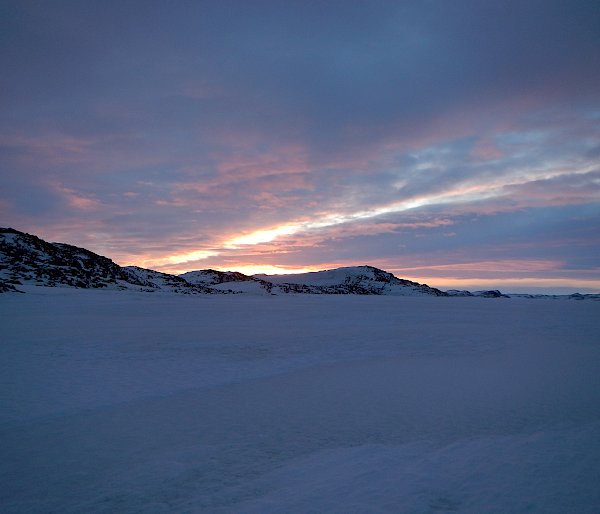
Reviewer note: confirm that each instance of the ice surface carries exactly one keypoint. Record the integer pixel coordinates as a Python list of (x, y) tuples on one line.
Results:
[(135, 402)]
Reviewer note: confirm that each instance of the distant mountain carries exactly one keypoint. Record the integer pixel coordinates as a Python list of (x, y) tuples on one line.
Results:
[(493, 293)]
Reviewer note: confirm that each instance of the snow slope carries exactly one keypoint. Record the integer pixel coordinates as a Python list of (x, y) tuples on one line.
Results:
[(363, 280), (213, 277), (228, 281), (129, 402), (151, 280), (355, 279)]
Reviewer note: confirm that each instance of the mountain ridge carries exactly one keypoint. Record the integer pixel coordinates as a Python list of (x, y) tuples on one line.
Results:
[(26, 259), (362, 280)]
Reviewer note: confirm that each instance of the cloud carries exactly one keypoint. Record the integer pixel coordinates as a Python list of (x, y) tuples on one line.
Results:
[(302, 134), (561, 189)]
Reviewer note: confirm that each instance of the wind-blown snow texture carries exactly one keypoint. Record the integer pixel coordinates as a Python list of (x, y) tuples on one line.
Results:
[(132, 402)]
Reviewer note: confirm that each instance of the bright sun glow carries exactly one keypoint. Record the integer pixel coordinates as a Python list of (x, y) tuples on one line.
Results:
[(262, 236), (181, 258), (266, 269), (271, 234), (465, 193)]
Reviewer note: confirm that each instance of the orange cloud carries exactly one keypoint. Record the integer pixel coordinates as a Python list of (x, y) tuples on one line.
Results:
[(486, 150)]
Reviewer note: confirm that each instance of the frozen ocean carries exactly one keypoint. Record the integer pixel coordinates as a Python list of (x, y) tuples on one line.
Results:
[(128, 402)]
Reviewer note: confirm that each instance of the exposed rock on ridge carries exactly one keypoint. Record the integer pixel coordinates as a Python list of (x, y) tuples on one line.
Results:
[(27, 259)]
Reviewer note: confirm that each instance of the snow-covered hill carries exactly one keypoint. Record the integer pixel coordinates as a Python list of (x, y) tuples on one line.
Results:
[(156, 281), (492, 293), (28, 260), (209, 277), (353, 280), (363, 280)]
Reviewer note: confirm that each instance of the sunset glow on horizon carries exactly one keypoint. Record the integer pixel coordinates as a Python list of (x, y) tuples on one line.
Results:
[(456, 144)]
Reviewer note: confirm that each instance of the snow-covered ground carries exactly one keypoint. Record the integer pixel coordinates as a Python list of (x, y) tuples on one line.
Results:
[(123, 402)]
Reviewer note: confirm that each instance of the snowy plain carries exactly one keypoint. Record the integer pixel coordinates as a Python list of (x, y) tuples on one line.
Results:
[(154, 402)]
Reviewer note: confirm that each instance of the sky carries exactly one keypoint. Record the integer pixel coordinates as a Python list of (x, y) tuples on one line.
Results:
[(453, 143)]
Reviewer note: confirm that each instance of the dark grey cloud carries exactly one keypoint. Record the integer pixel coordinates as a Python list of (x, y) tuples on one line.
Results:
[(329, 65)]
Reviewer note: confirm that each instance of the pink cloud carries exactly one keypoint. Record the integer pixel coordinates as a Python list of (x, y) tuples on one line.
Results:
[(502, 265), (51, 147), (561, 190), (511, 284), (486, 150), (76, 199), (291, 158)]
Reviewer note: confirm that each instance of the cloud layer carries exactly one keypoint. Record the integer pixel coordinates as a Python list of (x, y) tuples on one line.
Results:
[(455, 141)]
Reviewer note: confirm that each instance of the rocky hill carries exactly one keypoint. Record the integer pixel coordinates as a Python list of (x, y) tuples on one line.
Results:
[(28, 260)]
